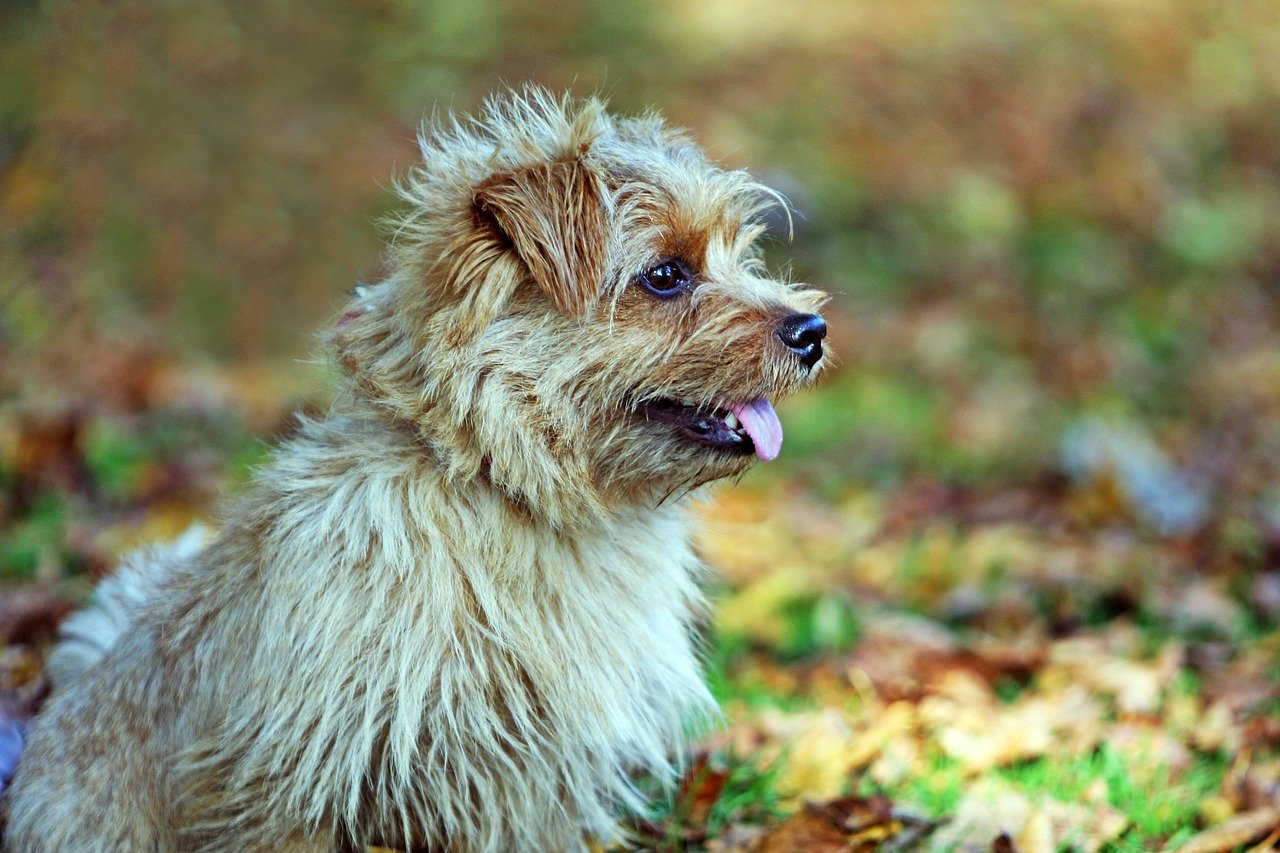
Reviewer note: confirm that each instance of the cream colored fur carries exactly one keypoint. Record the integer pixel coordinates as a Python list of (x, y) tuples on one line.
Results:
[(458, 612), (87, 634)]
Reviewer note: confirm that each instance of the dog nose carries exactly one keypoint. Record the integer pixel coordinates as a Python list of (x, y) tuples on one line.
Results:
[(803, 334)]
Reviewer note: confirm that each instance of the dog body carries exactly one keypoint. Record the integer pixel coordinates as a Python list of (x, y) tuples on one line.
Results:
[(459, 611)]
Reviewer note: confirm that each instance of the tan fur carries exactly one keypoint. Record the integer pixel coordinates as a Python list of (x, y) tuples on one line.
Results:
[(458, 612)]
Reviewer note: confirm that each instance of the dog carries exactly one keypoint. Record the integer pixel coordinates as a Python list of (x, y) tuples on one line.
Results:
[(459, 611)]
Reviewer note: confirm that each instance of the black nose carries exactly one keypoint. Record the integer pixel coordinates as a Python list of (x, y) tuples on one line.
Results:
[(803, 334)]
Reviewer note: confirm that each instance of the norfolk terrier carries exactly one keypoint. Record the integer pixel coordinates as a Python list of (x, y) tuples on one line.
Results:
[(459, 611)]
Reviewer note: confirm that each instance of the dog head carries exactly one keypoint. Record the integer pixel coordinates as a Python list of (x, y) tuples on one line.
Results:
[(578, 312)]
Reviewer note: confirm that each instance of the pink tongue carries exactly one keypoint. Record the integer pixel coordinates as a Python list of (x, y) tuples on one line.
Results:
[(761, 423)]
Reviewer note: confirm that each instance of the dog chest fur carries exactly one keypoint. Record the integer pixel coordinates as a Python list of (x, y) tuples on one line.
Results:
[(566, 664)]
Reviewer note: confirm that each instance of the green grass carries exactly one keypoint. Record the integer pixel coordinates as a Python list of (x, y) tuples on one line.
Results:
[(813, 625), (936, 792), (36, 539), (731, 678), (117, 458), (1161, 806), (749, 795)]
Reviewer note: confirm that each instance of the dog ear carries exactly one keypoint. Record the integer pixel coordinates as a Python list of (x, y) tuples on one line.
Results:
[(551, 215)]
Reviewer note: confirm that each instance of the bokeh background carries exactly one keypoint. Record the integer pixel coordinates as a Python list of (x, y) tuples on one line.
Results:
[(1052, 231)]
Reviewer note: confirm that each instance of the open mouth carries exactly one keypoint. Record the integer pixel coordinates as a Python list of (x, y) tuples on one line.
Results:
[(736, 427)]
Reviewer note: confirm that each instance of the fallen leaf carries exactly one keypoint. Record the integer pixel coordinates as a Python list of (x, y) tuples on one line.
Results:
[(1230, 834), (698, 792), (737, 838), (1266, 844), (847, 824), (30, 615), (1216, 730), (805, 830), (819, 751), (991, 808)]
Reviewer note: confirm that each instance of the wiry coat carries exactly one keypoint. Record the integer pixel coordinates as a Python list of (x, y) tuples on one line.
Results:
[(458, 612)]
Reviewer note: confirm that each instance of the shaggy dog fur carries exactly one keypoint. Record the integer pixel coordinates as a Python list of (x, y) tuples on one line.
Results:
[(458, 611)]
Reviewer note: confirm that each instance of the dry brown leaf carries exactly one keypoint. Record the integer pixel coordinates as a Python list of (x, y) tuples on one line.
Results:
[(900, 760), (805, 830), (1217, 730), (819, 752), (1252, 784), (1267, 844), (1138, 688), (31, 615), (850, 824), (699, 791), (982, 736), (891, 726), (737, 838), (20, 668), (906, 656), (990, 809), (48, 452), (1230, 834)]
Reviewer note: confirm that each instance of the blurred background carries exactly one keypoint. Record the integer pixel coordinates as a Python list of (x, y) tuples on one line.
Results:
[(1052, 230)]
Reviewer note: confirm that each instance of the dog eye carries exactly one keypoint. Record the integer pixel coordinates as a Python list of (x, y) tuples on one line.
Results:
[(666, 279)]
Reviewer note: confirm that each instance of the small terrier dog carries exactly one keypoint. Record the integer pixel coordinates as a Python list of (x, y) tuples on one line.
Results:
[(459, 611)]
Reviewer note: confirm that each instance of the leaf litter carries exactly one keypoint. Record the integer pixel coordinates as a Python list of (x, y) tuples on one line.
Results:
[(923, 667), (1011, 687)]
